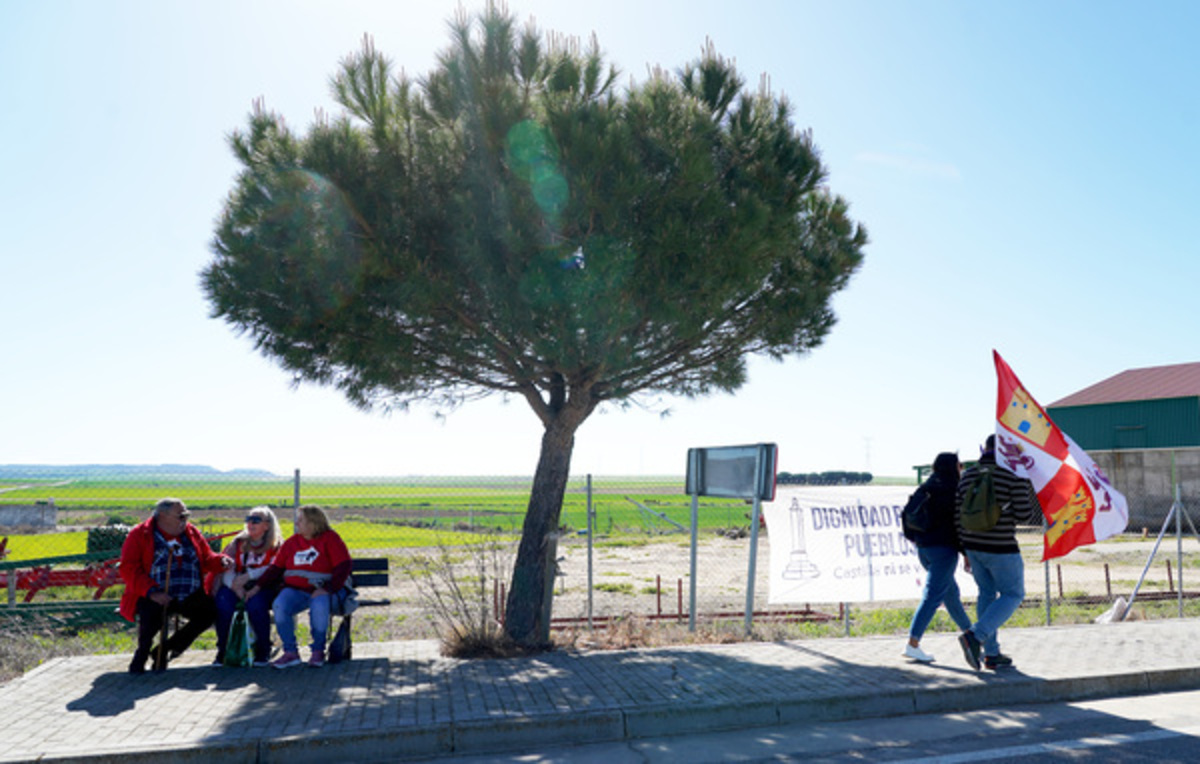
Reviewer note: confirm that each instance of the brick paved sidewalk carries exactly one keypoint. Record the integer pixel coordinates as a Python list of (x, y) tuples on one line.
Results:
[(401, 699)]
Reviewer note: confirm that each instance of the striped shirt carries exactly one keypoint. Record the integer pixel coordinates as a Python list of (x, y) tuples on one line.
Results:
[(1019, 505)]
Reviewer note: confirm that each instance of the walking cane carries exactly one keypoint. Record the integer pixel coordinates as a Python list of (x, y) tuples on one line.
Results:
[(160, 662)]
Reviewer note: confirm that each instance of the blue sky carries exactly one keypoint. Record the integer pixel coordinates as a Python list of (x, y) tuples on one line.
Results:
[(1027, 172)]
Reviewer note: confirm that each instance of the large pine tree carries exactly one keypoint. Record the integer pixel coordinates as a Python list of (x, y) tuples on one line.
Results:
[(516, 222)]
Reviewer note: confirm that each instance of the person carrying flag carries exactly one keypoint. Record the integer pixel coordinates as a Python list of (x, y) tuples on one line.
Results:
[(994, 558)]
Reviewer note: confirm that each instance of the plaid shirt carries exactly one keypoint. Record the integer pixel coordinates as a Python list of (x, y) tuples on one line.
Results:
[(185, 568)]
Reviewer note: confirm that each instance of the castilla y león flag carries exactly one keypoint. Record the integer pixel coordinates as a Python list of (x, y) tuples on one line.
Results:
[(1080, 505)]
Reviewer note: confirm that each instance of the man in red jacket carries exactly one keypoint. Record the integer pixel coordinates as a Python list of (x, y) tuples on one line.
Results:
[(163, 562)]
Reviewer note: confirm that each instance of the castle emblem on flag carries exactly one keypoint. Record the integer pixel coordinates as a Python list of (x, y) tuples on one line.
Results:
[(1023, 415)]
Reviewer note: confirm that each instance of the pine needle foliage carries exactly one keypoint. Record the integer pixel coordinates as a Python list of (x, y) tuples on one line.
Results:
[(517, 222)]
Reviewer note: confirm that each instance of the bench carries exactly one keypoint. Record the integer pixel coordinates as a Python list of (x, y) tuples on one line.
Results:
[(369, 572), (365, 573)]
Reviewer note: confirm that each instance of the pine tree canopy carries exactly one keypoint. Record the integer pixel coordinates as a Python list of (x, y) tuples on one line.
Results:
[(516, 221)]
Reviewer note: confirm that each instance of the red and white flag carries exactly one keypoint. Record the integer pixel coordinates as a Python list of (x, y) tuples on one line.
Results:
[(1080, 505)]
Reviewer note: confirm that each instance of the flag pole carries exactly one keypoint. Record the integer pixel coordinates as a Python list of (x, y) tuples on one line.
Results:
[(1046, 569)]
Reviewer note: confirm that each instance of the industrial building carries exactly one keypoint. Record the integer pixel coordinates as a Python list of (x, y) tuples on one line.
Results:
[(1142, 426)]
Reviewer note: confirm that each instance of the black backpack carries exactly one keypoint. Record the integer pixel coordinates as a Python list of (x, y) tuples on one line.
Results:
[(916, 517)]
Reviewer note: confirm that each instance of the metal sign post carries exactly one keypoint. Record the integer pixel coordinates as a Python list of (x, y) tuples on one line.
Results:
[(736, 472), (692, 570), (751, 572)]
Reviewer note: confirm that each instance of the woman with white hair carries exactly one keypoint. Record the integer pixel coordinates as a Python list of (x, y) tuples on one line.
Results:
[(252, 550)]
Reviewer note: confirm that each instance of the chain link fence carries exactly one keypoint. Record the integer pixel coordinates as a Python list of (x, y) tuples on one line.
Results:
[(634, 562)]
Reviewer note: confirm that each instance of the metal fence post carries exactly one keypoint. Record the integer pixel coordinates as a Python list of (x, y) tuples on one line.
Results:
[(550, 550), (591, 530), (1178, 532), (296, 497)]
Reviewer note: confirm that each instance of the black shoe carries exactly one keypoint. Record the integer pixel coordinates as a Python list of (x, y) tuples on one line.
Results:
[(997, 661), (971, 648), (137, 666)]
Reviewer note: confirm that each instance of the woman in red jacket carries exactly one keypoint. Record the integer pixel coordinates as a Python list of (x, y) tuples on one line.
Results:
[(163, 563), (314, 565)]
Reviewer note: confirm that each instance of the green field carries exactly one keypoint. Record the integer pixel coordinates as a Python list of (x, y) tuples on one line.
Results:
[(358, 535), (486, 502), (370, 513)]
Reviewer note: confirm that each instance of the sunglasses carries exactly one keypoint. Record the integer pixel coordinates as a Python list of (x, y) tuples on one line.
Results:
[(253, 520)]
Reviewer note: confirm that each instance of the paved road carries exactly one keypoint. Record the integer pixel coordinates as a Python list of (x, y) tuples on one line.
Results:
[(401, 699), (1160, 728)]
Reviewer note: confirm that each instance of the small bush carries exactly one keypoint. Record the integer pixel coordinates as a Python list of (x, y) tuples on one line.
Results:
[(457, 591), (106, 538)]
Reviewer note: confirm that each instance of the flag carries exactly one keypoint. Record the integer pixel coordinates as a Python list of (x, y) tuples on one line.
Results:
[(1080, 505)]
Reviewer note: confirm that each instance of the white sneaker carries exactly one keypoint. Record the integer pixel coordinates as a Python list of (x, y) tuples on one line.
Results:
[(917, 654)]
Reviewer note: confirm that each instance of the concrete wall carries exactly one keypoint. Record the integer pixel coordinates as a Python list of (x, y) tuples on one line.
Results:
[(39, 516), (1144, 476)]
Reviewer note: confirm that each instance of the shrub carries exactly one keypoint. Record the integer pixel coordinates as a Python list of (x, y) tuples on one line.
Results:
[(457, 591), (107, 538)]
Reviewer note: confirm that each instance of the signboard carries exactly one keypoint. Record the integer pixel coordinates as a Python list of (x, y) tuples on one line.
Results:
[(733, 472), (844, 544)]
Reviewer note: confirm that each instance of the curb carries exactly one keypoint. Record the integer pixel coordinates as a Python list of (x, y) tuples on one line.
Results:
[(508, 733)]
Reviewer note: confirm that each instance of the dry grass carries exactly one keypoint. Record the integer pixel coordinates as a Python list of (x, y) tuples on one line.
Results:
[(630, 632), (25, 644), (455, 587)]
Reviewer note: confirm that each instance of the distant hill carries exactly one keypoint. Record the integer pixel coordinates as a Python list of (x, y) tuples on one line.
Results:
[(29, 471)]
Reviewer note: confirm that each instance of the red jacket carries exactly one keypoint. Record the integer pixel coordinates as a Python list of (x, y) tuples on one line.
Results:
[(137, 557)]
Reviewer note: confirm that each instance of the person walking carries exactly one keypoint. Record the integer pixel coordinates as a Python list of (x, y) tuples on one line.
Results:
[(994, 557), (937, 551)]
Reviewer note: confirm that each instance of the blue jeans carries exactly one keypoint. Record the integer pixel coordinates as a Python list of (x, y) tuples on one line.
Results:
[(939, 563), (258, 613), (1001, 582), (292, 602)]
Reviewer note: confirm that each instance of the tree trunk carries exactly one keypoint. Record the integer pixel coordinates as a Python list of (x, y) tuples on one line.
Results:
[(526, 614)]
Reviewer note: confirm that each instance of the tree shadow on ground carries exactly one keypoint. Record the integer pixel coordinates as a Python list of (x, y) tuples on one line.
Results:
[(677, 690)]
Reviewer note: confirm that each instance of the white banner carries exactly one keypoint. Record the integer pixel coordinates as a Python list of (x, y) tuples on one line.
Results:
[(843, 544)]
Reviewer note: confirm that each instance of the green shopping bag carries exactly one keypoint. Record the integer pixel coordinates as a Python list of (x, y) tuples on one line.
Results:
[(237, 646)]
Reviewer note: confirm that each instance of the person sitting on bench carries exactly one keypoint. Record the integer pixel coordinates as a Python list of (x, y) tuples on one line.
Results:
[(163, 562), (315, 566), (253, 550)]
